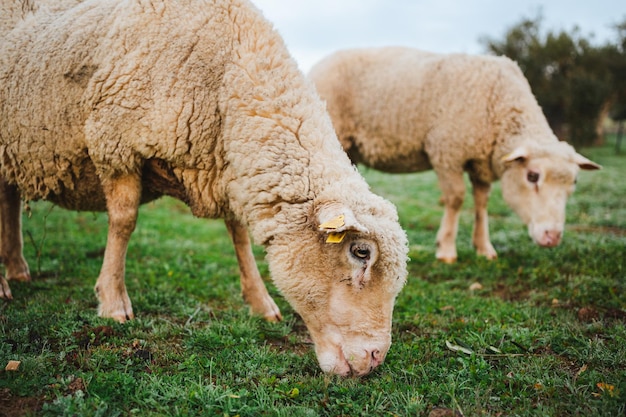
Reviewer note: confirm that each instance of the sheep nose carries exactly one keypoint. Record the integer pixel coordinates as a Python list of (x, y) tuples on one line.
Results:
[(551, 238), (377, 357)]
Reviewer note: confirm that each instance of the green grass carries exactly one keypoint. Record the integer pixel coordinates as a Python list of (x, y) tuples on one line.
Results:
[(545, 334)]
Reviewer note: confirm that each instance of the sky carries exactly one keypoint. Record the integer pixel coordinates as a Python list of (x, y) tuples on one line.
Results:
[(313, 29)]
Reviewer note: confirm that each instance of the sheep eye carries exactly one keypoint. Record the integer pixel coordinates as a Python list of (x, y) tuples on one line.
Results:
[(360, 252), (532, 176)]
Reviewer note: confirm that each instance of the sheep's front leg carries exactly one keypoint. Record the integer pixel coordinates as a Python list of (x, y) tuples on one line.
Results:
[(480, 236), (453, 190), (11, 243), (252, 286), (123, 197)]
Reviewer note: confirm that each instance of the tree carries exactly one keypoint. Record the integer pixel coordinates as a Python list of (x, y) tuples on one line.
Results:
[(618, 69), (574, 81)]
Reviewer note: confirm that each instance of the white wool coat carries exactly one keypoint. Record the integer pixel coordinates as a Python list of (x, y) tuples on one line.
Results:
[(199, 100)]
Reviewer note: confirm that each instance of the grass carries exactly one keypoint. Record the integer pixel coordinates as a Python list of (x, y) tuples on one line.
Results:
[(543, 334)]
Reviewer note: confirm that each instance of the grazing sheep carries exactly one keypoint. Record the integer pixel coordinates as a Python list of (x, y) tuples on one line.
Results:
[(114, 103), (402, 110)]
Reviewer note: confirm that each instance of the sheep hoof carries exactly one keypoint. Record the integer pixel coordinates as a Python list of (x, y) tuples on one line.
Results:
[(120, 312), (22, 277), (489, 256), (262, 304), (274, 318), (447, 260), (120, 317), (5, 291), (269, 311), (446, 251), (486, 250)]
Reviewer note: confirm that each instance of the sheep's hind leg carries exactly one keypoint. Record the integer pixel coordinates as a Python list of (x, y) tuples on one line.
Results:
[(252, 287), (480, 236), (123, 196), (11, 243), (453, 190)]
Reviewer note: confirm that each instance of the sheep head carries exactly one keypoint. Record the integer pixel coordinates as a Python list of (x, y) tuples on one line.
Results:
[(342, 272), (536, 184)]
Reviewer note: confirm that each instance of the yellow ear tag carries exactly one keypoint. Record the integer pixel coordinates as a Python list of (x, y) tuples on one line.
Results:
[(333, 224), (335, 237)]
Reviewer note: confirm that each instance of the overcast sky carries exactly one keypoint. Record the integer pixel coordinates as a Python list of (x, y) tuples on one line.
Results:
[(314, 28)]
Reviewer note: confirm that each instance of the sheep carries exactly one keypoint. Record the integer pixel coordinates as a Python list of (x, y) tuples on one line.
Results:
[(113, 103), (12, 12), (399, 110)]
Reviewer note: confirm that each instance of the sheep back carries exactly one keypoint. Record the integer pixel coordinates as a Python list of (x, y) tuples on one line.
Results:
[(83, 98), (404, 110)]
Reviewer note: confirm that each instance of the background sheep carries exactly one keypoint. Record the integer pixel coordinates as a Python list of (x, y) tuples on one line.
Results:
[(113, 103), (403, 110)]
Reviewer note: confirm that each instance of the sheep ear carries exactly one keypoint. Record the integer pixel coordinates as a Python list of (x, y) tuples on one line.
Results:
[(519, 154), (585, 163), (336, 220)]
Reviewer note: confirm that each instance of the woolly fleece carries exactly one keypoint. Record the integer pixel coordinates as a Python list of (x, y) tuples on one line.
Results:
[(400, 109), (199, 100)]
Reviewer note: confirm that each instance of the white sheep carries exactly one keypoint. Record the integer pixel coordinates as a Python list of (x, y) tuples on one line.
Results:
[(398, 109), (12, 12), (113, 103)]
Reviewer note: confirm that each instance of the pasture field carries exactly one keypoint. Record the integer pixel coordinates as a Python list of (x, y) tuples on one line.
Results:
[(542, 332)]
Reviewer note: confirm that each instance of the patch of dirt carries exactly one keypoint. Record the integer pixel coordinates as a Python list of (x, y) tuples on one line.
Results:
[(300, 348), (297, 341), (86, 338), (93, 336), (589, 314), (508, 293), (76, 385), (11, 406), (615, 314), (444, 412), (144, 355)]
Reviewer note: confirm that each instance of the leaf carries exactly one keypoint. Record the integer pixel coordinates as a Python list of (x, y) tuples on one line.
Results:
[(294, 393), (457, 348), (12, 366), (494, 349), (605, 388)]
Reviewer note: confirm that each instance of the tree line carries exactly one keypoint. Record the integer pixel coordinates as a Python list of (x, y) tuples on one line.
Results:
[(577, 84)]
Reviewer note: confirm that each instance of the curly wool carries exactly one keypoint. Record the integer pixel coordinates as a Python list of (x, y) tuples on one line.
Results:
[(419, 116), (404, 110), (111, 103), (214, 112), (86, 101)]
